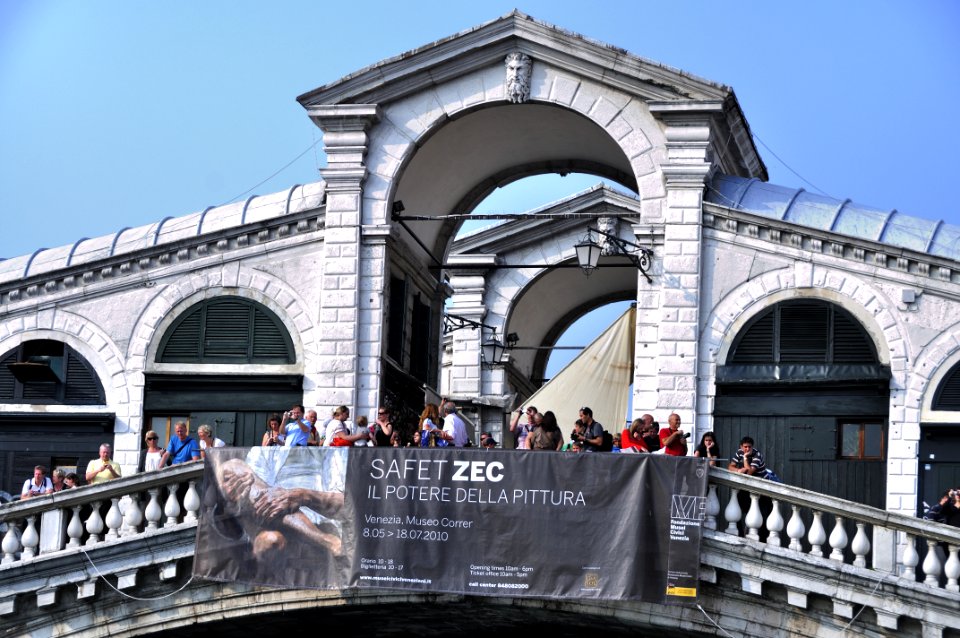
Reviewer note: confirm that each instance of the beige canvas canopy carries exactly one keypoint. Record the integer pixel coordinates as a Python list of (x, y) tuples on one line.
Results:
[(599, 377)]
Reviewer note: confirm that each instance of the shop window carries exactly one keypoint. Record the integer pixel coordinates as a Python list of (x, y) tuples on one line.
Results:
[(861, 440)]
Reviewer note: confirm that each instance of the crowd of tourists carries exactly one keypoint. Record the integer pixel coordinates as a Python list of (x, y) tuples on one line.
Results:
[(439, 425)]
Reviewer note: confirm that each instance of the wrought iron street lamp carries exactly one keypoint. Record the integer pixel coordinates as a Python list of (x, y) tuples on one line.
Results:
[(589, 251)]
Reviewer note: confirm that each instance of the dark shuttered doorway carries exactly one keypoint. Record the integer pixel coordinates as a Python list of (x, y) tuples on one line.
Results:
[(804, 381), (227, 330)]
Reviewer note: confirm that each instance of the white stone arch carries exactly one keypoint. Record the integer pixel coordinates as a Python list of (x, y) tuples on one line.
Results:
[(862, 300), (407, 123), (84, 336), (255, 285), (930, 368)]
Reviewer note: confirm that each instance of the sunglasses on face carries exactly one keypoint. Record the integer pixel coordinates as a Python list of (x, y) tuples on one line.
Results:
[(151, 438)]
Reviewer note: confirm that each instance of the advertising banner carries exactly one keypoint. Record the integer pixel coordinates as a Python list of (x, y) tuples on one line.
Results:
[(467, 521)]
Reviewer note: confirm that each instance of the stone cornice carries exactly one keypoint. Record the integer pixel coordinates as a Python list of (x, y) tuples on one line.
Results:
[(875, 254), (139, 268)]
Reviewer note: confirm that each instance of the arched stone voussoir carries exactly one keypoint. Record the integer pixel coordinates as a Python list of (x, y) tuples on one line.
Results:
[(257, 286), (931, 365), (87, 338), (744, 302)]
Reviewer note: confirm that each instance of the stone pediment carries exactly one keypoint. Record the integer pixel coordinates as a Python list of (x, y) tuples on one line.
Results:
[(532, 227), (476, 48)]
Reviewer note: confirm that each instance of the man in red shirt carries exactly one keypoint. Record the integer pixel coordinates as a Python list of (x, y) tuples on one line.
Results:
[(672, 438)]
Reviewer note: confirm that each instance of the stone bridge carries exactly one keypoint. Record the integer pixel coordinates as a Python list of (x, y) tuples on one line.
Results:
[(116, 559)]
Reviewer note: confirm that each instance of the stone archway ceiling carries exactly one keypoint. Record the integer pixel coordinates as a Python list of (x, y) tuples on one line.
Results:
[(466, 159)]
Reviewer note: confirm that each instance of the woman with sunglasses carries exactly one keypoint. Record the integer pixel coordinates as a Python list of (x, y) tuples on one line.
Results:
[(150, 456), (384, 428)]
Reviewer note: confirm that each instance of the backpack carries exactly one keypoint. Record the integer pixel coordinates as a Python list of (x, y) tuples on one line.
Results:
[(607, 445)]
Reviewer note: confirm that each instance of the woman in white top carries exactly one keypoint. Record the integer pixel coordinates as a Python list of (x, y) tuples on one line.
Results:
[(207, 440), (150, 456)]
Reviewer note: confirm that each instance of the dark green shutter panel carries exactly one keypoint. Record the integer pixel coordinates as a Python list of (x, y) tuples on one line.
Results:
[(231, 329), (227, 329), (183, 341), (948, 394), (83, 386), (804, 331), (8, 382), (756, 343), (850, 341), (420, 340), (270, 339), (397, 319)]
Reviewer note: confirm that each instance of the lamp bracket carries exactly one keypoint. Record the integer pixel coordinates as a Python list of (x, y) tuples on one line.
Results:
[(452, 323), (638, 255)]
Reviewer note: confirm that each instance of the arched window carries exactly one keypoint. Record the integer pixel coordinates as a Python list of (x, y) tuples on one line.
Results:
[(948, 393), (227, 330), (48, 372), (803, 332)]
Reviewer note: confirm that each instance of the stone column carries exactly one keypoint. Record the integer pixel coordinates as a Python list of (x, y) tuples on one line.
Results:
[(677, 312), (345, 141)]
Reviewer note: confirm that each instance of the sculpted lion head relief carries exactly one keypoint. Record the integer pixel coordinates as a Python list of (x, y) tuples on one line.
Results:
[(519, 67)]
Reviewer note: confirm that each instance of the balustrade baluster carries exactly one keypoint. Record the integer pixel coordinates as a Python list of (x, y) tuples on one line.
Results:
[(713, 507), (931, 565), (11, 543), (754, 518), (191, 502), (114, 519), (860, 546), (910, 559), (75, 528), (172, 507), (774, 525), (153, 511), (796, 529), (952, 569), (838, 540), (30, 539), (133, 517), (94, 524), (733, 512), (818, 535)]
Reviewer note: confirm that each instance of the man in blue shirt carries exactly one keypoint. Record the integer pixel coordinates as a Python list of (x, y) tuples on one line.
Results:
[(296, 428), (181, 448)]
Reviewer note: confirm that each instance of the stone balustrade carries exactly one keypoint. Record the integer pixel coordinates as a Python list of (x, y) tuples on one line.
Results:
[(766, 533), (824, 526), (89, 515)]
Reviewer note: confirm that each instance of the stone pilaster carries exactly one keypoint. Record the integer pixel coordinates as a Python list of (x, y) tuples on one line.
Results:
[(672, 316), (467, 302), (345, 348)]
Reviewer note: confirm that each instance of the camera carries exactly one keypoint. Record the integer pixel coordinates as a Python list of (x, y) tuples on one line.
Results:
[(686, 435)]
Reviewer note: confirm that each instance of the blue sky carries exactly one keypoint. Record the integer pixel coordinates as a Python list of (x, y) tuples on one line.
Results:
[(120, 113)]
